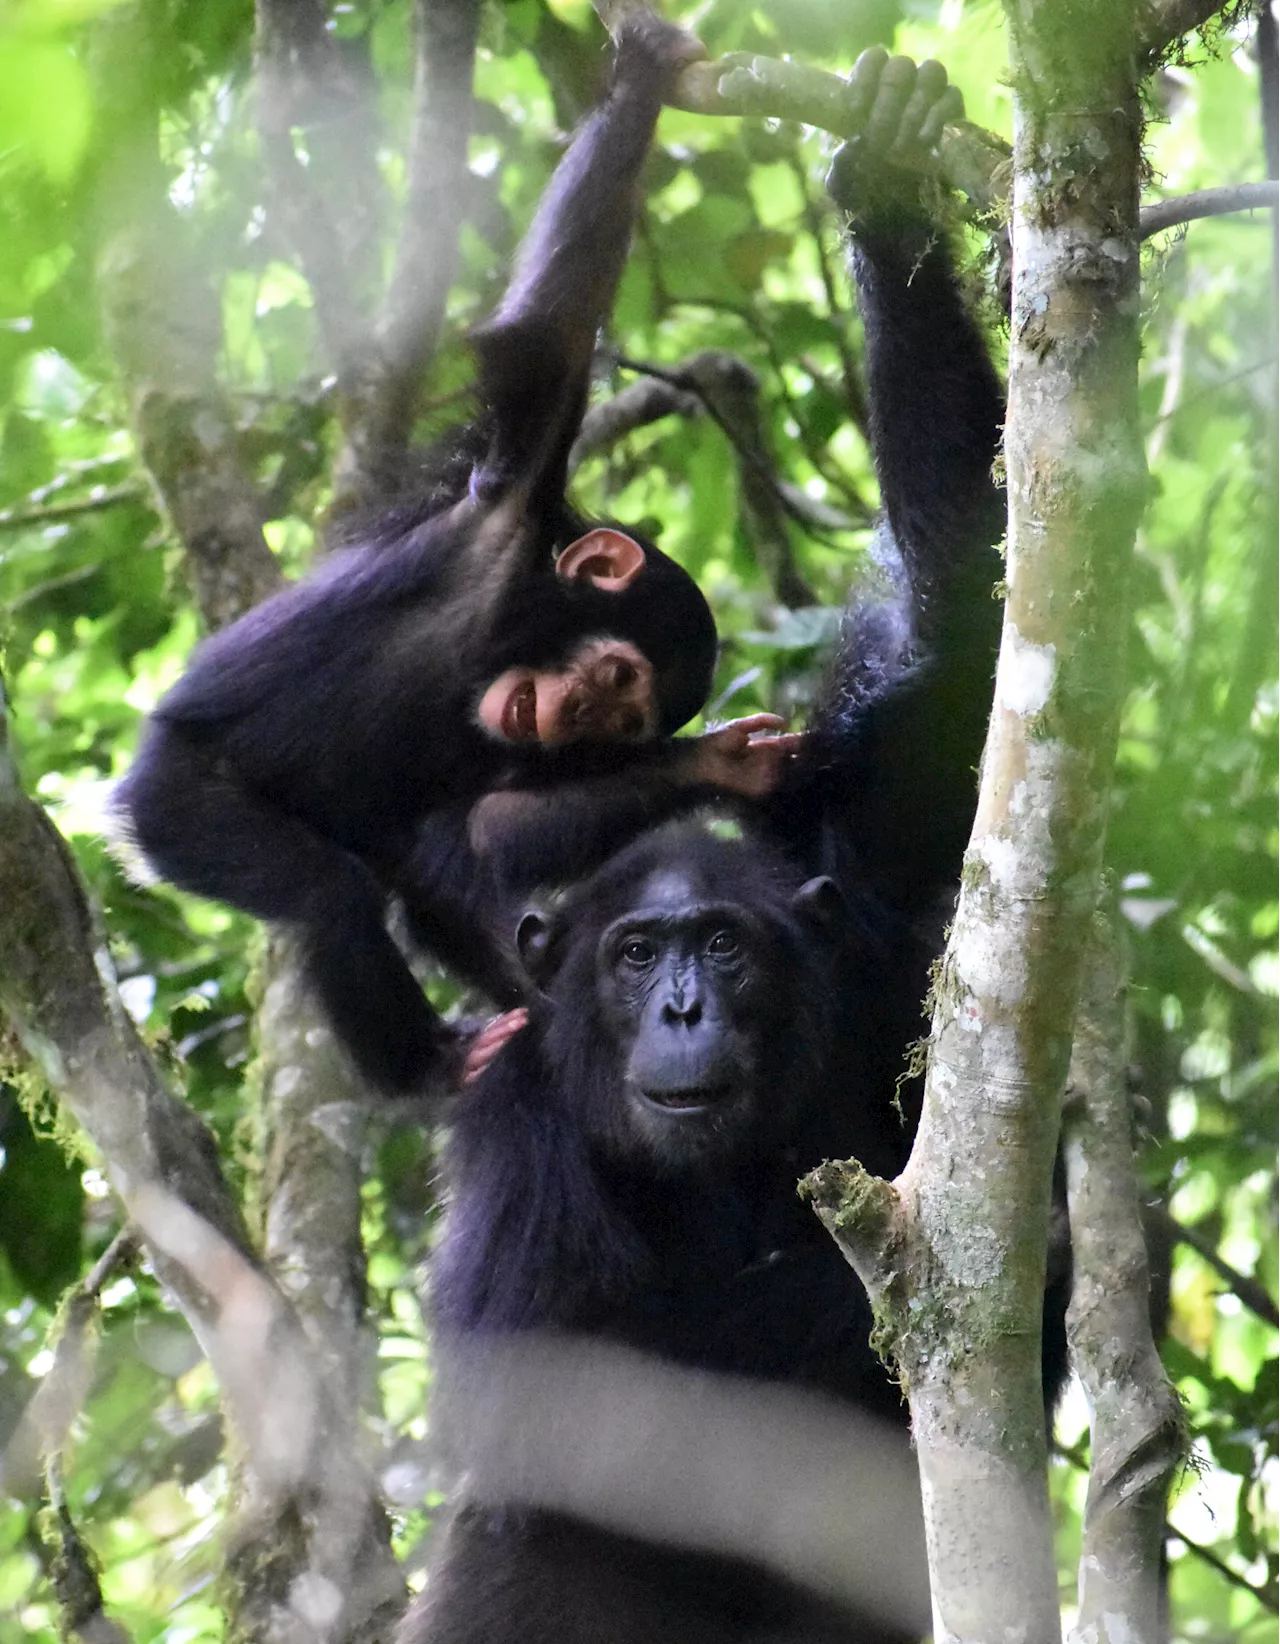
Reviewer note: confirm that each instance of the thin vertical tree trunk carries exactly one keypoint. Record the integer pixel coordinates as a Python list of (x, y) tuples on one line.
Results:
[(953, 1253), (1135, 1418)]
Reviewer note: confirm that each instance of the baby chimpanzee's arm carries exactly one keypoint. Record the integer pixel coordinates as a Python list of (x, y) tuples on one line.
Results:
[(536, 351)]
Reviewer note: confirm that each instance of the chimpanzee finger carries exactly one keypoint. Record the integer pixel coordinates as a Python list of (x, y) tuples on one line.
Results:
[(945, 112), (490, 1040), (863, 82), (896, 85), (757, 722), (931, 81)]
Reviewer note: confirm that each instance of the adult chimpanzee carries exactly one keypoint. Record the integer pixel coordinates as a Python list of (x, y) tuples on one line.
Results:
[(717, 1014), (327, 747)]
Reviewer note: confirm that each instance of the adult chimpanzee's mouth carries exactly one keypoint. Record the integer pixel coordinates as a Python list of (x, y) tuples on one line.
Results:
[(691, 1099)]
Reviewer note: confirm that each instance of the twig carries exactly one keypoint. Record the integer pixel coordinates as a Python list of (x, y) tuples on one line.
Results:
[(648, 401), (1266, 1596), (715, 377), (22, 519), (42, 1430), (1205, 202), (745, 315), (1254, 1295)]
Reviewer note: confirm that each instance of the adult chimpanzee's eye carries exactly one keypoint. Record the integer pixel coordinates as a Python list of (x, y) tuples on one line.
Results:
[(723, 943), (636, 951)]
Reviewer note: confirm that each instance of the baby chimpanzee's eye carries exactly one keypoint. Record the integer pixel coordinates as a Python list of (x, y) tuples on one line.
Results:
[(624, 675), (630, 726)]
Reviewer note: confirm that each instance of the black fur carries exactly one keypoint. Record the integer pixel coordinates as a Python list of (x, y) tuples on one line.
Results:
[(324, 750), (582, 1203)]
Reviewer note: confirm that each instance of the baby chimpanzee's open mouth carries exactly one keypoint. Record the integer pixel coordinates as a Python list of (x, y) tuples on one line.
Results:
[(520, 713)]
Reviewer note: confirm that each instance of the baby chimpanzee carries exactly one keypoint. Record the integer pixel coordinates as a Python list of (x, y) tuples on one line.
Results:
[(327, 748)]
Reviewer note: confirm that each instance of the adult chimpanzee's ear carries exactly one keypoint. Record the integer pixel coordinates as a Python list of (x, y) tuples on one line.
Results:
[(819, 901), (607, 559), (533, 934)]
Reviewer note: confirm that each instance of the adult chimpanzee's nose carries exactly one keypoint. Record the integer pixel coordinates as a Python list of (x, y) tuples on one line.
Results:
[(683, 1008)]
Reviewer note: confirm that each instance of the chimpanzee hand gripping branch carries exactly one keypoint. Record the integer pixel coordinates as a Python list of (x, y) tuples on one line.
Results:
[(326, 749)]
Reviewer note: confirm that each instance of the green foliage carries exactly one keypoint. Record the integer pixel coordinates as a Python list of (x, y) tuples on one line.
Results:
[(737, 252)]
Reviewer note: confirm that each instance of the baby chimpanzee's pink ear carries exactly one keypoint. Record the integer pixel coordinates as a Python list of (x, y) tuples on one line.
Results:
[(606, 558)]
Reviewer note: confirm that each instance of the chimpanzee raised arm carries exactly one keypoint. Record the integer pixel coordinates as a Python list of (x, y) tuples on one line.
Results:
[(901, 733), (327, 748)]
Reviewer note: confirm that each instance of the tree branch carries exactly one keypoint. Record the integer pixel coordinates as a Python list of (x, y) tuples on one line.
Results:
[(426, 257), (1253, 1294), (25, 519), (974, 161), (58, 990), (730, 390), (1205, 202), (309, 1498), (1159, 23), (636, 406), (293, 57), (1137, 1437), (74, 1573), (163, 324)]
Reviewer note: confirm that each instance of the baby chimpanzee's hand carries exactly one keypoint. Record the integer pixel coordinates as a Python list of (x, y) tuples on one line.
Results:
[(742, 758), (902, 110)]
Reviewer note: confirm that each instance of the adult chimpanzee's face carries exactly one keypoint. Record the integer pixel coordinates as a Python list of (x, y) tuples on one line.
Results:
[(682, 998), (680, 979), (602, 693)]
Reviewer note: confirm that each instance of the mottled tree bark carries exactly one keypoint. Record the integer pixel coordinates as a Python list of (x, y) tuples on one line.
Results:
[(954, 1252), (1135, 1417)]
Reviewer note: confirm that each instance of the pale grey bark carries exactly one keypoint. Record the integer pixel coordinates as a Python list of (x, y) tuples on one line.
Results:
[(1205, 202), (953, 1253), (1135, 1417)]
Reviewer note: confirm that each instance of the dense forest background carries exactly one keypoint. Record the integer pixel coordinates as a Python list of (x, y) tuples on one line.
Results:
[(209, 346)]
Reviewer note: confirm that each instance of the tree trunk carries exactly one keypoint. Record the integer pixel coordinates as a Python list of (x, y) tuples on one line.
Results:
[(953, 1253)]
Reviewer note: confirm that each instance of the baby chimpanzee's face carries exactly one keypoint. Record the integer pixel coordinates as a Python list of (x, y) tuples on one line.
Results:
[(602, 693)]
